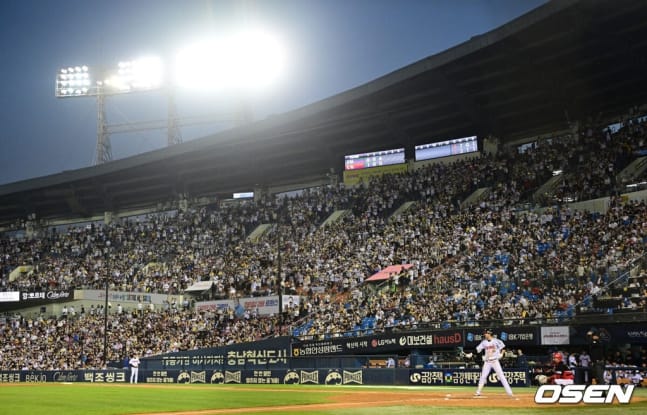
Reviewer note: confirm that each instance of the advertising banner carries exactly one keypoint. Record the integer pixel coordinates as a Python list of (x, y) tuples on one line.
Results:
[(44, 376), (123, 296), (9, 296), (511, 336), (625, 333), (465, 377), (354, 177), (263, 306), (21, 299), (262, 354), (36, 297), (379, 343), (555, 335), (340, 376)]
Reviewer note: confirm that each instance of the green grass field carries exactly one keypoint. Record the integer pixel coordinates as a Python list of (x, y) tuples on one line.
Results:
[(103, 399)]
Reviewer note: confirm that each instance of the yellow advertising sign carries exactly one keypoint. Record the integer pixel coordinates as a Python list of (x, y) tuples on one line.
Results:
[(353, 177)]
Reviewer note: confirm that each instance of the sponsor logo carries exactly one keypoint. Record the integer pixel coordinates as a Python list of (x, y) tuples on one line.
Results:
[(198, 377), (217, 377), (315, 349), (184, 377), (65, 377), (454, 338), (232, 377), (291, 377), (417, 340), (384, 342), (593, 394), (310, 377), (35, 377), (54, 295), (333, 378), (353, 377)]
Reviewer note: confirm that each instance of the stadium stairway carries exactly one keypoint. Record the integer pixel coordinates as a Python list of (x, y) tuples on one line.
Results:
[(402, 209), (335, 216), (632, 171), (548, 187), (258, 232), (476, 196)]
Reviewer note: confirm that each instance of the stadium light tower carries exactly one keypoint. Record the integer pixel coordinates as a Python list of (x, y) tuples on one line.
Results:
[(145, 74), (243, 62)]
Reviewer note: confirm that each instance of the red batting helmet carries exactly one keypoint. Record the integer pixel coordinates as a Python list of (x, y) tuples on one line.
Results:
[(557, 356)]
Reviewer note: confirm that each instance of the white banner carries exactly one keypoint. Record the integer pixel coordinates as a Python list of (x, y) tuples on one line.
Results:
[(555, 335), (214, 305), (264, 306), (126, 297), (9, 296)]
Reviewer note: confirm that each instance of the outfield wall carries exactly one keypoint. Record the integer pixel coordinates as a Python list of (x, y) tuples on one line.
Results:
[(305, 376)]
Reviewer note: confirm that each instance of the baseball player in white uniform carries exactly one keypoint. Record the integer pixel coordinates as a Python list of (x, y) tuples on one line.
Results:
[(494, 349), (134, 368)]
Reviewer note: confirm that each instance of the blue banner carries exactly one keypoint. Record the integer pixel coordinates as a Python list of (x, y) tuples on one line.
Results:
[(339, 376), (262, 354), (465, 377)]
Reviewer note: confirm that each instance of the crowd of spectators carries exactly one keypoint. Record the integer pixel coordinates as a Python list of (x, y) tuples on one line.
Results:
[(488, 261)]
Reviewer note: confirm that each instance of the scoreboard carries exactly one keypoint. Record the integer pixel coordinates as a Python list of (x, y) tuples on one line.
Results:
[(374, 159), (446, 148)]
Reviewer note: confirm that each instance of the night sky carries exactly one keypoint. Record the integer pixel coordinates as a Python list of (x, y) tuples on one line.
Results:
[(333, 45)]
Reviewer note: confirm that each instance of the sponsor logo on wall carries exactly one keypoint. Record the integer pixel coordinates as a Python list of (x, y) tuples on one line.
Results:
[(353, 377), (333, 378), (232, 377), (291, 377), (217, 377), (310, 377)]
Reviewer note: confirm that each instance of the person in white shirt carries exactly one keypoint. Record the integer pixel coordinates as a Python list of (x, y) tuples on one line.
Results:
[(134, 368), (494, 350)]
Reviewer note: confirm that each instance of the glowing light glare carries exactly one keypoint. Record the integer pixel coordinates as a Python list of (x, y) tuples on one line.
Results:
[(147, 72), (141, 74), (259, 58), (200, 65), (249, 60)]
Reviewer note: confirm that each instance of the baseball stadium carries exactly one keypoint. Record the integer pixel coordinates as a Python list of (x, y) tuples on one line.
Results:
[(338, 259)]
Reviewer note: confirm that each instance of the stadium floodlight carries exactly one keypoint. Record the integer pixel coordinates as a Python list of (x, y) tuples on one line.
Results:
[(143, 74), (74, 81), (249, 60), (244, 62)]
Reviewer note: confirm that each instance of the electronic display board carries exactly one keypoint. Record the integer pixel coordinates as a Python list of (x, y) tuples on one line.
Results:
[(374, 159), (446, 148)]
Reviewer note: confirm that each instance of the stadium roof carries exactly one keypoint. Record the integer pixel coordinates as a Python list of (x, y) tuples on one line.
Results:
[(563, 61)]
